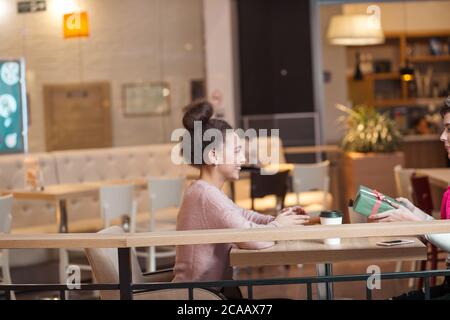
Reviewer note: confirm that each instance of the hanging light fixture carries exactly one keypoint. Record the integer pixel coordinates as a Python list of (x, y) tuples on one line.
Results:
[(407, 71), (357, 30)]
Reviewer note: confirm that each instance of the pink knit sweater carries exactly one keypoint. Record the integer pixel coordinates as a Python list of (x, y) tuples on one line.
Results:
[(205, 206)]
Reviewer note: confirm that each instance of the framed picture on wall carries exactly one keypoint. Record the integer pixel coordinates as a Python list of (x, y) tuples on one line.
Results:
[(146, 99)]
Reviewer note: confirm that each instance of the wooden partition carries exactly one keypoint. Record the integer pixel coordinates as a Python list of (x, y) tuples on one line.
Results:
[(94, 240)]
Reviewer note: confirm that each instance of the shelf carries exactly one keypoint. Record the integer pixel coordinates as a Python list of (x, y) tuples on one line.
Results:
[(379, 76), (386, 103), (426, 34), (420, 137), (425, 59), (385, 76)]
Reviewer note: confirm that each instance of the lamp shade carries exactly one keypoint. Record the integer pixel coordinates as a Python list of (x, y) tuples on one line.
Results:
[(355, 30)]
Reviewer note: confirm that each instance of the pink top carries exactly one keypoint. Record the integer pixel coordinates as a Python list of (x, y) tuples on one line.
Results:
[(205, 206), (445, 205)]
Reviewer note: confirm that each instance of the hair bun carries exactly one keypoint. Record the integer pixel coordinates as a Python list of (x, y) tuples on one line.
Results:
[(197, 111), (447, 101)]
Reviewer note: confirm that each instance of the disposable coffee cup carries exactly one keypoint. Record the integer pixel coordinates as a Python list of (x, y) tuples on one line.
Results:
[(331, 218)]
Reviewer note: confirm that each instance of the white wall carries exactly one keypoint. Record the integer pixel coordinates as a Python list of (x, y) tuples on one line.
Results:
[(334, 61), (220, 55), (130, 41)]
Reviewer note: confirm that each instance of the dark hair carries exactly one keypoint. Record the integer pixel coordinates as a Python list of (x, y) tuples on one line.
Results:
[(445, 107), (200, 110)]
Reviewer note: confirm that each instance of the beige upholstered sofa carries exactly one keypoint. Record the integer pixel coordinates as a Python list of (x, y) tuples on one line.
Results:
[(77, 166)]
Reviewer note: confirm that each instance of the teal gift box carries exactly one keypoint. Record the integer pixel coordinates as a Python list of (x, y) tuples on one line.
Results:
[(369, 201)]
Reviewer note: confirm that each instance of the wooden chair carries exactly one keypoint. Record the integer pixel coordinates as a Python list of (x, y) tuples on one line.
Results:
[(105, 269), (116, 201), (264, 185), (165, 195), (422, 199), (311, 186), (404, 189)]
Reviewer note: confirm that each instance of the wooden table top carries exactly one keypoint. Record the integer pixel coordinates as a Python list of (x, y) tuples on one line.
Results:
[(66, 191), (315, 251), (186, 237), (313, 149), (55, 192), (437, 176)]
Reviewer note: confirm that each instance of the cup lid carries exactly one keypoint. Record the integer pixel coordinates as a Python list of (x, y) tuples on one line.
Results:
[(331, 214)]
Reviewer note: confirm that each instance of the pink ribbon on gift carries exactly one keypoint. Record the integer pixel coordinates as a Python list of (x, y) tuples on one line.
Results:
[(379, 199), (445, 205)]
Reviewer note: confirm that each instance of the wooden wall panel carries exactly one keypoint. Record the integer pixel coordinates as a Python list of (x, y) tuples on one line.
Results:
[(77, 116)]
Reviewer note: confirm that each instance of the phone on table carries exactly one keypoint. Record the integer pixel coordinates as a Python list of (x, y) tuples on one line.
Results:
[(396, 242)]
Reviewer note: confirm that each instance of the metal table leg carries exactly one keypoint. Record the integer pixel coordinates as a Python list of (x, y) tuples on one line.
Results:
[(61, 216), (125, 274), (325, 291), (62, 221)]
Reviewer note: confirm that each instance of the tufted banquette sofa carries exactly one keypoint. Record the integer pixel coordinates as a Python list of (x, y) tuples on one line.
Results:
[(78, 166)]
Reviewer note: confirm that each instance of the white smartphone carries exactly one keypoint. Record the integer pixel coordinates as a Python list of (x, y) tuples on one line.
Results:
[(396, 242)]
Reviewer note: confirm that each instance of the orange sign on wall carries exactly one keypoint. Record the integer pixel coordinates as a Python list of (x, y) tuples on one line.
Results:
[(76, 25)]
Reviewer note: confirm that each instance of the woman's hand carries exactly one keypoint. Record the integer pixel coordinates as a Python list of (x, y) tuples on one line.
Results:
[(406, 203), (293, 210), (399, 214), (287, 219)]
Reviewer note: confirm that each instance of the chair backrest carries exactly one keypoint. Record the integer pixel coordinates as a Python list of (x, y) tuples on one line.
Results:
[(354, 216), (117, 201), (164, 192), (307, 177), (422, 193), (6, 204), (266, 150), (264, 185), (403, 181), (105, 269), (105, 266)]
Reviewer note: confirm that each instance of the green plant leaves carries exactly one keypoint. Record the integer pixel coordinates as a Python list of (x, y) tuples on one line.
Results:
[(368, 130)]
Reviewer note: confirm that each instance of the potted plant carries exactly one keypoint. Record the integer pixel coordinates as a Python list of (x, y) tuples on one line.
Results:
[(371, 143)]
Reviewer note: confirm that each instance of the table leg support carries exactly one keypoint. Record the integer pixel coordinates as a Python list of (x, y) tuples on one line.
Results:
[(125, 275), (61, 216), (325, 290), (328, 273)]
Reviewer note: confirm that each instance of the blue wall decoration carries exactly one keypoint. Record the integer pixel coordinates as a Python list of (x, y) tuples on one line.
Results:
[(13, 106)]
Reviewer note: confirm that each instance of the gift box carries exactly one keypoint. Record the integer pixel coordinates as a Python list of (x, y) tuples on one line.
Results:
[(369, 202)]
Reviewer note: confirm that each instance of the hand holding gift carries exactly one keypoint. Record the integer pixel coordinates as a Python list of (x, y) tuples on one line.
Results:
[(406, 212), (369, 202), (400, 214)]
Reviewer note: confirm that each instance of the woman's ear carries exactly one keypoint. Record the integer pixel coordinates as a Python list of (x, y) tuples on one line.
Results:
[(212, 157)]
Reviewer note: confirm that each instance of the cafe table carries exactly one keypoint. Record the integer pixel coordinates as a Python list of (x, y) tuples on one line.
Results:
[(59, 194), (316, 252)]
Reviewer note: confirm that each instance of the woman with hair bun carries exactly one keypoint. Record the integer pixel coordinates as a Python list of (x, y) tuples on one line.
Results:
[(206, 206)]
